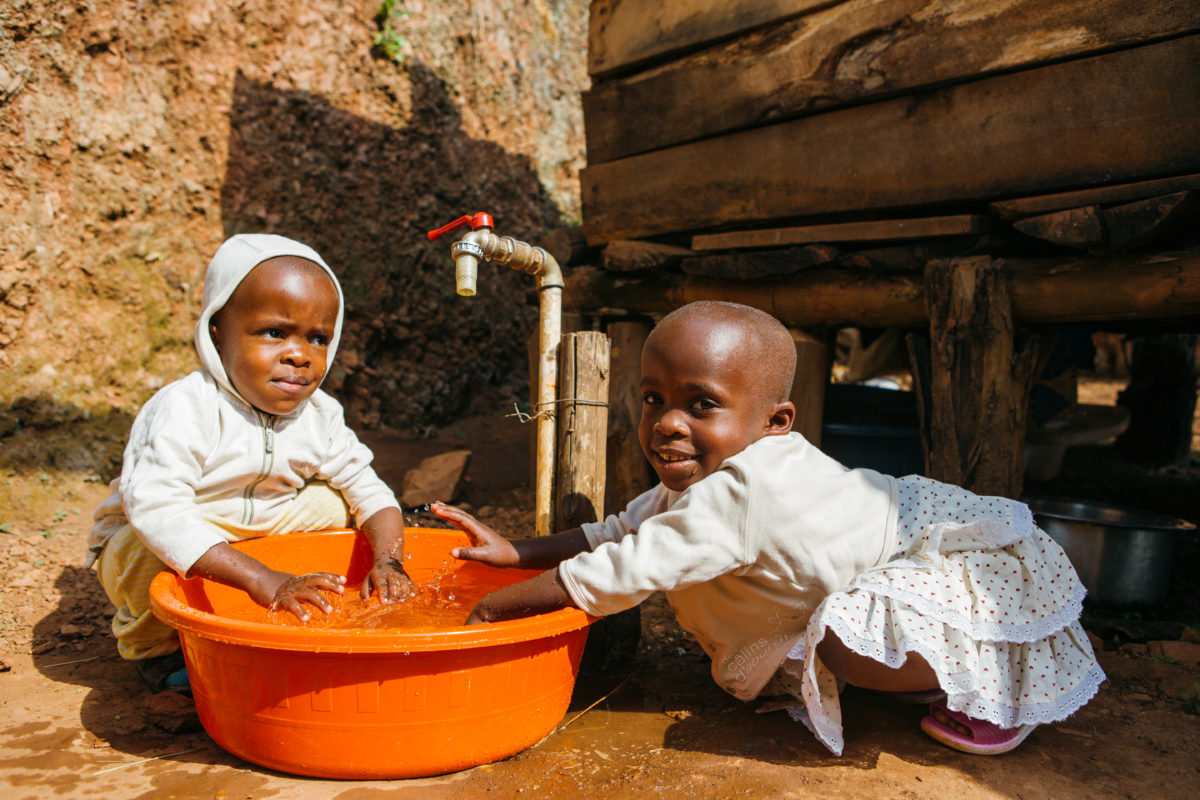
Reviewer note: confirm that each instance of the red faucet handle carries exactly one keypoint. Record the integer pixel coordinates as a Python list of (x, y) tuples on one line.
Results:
[(481, 219)]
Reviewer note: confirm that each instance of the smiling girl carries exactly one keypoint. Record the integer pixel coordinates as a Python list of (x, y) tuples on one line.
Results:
[(797, 575)]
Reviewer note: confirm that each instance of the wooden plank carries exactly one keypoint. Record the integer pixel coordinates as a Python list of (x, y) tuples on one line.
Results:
[(748, 266), (1118, 227), (1100, 195), (867, 231), (854, 51), (1073, 227), (1134, 224), (1121, 116), (625, 33), (623, 255), (582, 420), (1081, 289)]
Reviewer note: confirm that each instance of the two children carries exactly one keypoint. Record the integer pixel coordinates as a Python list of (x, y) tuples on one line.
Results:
[(245, 446), (796, 574)]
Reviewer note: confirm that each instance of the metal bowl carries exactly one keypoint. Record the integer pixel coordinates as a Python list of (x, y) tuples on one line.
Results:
[(1122, 556)]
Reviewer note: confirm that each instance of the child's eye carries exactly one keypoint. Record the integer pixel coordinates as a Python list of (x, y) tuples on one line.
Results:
[(704, 404), (319, 340), (273, 333), (651, 399)]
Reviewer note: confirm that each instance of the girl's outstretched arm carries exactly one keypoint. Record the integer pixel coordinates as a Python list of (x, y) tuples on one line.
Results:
[(489, 547), (534, 596)]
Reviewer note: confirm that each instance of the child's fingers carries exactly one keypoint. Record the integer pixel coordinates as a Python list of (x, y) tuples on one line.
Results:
[(292, 605), (470, 553), (325, 580), (452, 514)]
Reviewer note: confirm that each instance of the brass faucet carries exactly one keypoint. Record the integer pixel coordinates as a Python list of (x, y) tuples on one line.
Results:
[(478, 244)]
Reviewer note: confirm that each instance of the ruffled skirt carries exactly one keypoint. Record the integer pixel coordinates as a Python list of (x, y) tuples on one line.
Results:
[(977, 590)]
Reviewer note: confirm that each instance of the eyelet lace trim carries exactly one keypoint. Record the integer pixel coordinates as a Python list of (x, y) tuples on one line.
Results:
[(962, 689)]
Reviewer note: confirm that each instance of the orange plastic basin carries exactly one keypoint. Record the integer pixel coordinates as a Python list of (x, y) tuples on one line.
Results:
[(370, 703)]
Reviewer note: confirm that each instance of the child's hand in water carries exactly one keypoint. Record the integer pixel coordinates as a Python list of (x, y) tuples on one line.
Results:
[(487, 545), (388, 578), (293, 591)]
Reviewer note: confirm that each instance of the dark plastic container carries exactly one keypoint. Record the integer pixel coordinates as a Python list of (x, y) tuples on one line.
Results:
[(868, 426)]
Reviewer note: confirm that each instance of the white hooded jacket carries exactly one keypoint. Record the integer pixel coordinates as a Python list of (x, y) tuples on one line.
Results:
[(199, 455)]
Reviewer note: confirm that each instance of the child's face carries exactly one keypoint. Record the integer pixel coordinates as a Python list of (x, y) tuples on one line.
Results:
[(701, 402), (273, 335)]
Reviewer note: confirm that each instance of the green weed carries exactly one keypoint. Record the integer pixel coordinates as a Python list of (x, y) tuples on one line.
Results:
[(388, 39)]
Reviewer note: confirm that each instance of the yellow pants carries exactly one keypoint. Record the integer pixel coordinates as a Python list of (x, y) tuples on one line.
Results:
[(126, 567)]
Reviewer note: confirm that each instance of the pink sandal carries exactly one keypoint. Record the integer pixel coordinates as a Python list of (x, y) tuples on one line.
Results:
[(983, 738)]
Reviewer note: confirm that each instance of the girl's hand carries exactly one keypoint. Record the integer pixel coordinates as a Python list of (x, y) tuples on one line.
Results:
[(388, 578), (293, 591), (487, 547)]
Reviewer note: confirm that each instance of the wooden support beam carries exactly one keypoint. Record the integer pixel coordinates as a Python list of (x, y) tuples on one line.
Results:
[(1109, 117), (582, 419), (1133, 224), (813, 364), (1116, 228), (624, 255), (625, 33), (628, 472), (972, 383), (748, 266), (1080, 289), (850, 52), (1100, 195), (865, 231), (1074, 227)]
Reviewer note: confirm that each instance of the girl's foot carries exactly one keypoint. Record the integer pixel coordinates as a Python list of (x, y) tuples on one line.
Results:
[(980, 737)]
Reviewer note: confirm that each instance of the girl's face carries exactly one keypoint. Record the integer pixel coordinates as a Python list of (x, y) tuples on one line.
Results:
[(701, 402), (273, 335)]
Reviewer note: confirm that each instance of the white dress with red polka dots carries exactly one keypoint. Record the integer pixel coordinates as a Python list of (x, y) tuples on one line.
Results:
[(984, 595)]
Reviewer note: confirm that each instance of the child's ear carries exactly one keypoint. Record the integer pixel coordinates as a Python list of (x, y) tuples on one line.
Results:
[(215, 335), (783, 414)]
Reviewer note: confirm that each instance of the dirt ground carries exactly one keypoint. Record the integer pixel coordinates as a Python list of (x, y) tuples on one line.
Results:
[(75, 722)]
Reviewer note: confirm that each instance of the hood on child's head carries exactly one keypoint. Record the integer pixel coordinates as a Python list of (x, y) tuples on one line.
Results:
[(231, 264)]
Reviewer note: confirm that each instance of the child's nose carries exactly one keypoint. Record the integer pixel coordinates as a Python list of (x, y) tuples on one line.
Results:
[(671, 423), (297, 353)]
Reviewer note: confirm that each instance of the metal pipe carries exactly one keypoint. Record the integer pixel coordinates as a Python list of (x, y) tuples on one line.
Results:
[(482, 243)]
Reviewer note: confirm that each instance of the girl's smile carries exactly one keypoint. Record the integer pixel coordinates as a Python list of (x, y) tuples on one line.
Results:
[(701, 401)]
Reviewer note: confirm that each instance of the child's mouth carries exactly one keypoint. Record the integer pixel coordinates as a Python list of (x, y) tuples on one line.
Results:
[(291, 385)]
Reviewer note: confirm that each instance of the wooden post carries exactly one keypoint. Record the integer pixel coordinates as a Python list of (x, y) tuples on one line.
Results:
[(582, 428), (813, 364), (972, 382), (628, 473)]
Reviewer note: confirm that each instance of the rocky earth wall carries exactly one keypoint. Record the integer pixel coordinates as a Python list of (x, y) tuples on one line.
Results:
[(135, 136)]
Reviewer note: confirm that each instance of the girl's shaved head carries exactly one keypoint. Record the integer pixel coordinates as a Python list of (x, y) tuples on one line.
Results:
[(758, 340)]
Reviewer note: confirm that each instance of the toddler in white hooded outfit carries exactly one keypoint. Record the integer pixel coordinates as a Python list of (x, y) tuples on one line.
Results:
[(245, 446)]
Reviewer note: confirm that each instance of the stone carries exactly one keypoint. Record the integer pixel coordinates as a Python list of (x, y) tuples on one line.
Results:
[(437, 478), (1175, 651)]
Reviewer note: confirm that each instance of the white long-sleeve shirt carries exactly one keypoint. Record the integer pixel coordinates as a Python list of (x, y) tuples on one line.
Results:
[(744, 555), (196, 452)]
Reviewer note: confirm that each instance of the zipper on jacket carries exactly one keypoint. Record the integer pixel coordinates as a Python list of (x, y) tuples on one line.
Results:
[(267, 424)]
